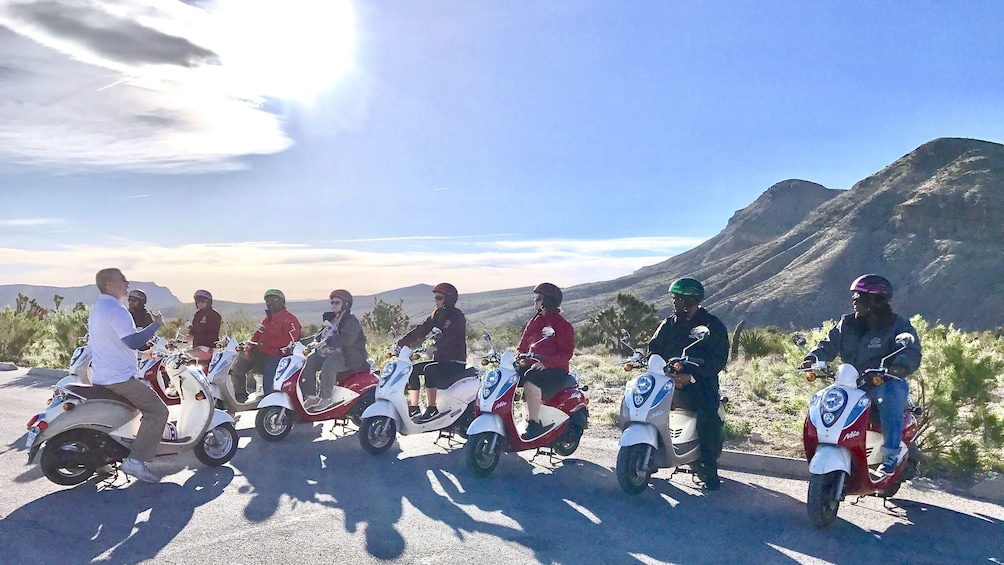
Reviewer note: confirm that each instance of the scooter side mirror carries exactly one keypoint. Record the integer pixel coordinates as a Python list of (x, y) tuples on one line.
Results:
[(798, 338), (547, 332), (486, 336), (904, 339), (436, 332), (699, 332)]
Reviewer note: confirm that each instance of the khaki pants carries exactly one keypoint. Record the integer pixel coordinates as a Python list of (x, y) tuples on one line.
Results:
[(154, 411)]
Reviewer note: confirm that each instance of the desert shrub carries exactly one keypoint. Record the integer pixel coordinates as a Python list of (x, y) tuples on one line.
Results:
[(386, 318), (20, 334), (958, 384), (757, 342), (65, 328), (628, 313), (736, 428)]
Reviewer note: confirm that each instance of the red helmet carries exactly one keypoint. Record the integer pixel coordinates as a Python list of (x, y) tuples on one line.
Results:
[(203, 294), (873, 284), (344, 295), (549, 290), (449, 291)]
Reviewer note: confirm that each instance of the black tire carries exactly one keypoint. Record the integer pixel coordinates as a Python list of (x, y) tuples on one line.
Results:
[(70, 458), (218, 445), (632, 468), (568, 442), (481, 457), (377, 434), (821, 501), (356, 414), (273, 423)]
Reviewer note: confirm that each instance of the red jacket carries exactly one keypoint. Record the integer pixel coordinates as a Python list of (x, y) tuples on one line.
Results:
[(276, 331), (554, 353)]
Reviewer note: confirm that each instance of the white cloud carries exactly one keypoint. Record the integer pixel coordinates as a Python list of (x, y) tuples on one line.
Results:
[(241, 271), (159, 85), (29, 222)]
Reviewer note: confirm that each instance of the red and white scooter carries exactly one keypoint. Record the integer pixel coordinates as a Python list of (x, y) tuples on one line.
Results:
[(565, 415), (843, 438), (275, 412)]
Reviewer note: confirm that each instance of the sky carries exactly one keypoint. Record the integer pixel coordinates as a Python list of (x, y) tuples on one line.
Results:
[(240, 145)]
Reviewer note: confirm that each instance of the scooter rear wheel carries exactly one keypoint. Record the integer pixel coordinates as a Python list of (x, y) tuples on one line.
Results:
[(482, 457), (821, 501), (70, 458), (376, 434), (273, 423), (632, 468), (218, 445), (568, 442)]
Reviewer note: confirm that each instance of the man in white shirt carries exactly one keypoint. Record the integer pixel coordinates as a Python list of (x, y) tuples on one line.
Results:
[(114, 340)]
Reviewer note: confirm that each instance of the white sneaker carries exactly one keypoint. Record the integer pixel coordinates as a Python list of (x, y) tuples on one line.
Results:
[(310, 401), (138, 469)]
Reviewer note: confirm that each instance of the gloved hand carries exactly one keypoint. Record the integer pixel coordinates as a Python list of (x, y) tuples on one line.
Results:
[(807, 362), (682, 379), (898, 371)]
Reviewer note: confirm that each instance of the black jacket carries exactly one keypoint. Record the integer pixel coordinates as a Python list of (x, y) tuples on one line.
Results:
[(673, 335)]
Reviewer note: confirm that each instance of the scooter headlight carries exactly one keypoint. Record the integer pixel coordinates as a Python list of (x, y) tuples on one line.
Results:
[(491, 380), (834, 400), (387, 371), (642, 388), (281, 368)]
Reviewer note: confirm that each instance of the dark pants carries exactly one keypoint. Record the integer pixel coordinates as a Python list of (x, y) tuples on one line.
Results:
[(702, 397), (549, 381), (438, 374), (332, 369), (266, 364)]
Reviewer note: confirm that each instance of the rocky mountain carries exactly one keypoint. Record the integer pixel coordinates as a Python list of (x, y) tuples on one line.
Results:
[(932, 222), (157, 295)]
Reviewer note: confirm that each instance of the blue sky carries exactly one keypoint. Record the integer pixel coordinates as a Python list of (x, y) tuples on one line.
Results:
[(242, 145)]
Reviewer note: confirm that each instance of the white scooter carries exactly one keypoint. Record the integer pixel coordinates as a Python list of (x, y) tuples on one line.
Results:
[(658, 432), (389, 414), (85, 427), (223, 360)]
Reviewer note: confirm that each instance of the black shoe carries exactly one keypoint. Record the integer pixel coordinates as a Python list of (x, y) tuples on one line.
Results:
[(413, 411), (242, 398), (430, 413), (713, 484), (533, 429)]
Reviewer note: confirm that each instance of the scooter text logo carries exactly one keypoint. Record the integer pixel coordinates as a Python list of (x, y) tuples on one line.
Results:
[(851, 435)]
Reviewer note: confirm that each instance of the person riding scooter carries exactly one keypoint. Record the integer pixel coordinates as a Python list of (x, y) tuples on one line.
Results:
[(549, 374), (862, 338), (449, 360), (342, 351), (699, 388), (205, 327), (277, 330), (114, 340)]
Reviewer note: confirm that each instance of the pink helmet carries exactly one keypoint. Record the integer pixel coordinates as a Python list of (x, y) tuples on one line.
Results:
[(873, 284), (203, 294)]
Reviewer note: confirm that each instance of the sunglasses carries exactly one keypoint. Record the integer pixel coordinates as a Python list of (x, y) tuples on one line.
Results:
[(438, 297)]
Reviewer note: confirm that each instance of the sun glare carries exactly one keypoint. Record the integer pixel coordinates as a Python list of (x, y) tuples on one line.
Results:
[(291, 50)]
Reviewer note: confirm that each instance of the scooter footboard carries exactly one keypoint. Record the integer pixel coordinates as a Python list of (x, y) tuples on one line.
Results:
[(830, 458), (639, 433), (487, 423)]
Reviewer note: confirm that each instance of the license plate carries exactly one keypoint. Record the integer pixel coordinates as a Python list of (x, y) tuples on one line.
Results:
[(32, 434)]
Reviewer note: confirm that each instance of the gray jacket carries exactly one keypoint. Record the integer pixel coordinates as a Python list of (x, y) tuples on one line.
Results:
[(865, 347)]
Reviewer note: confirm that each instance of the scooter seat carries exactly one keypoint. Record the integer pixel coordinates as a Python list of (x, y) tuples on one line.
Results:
[(97, 392)]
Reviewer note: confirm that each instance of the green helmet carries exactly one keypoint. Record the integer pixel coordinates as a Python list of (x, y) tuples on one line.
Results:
[(275, 292), (688, 287)]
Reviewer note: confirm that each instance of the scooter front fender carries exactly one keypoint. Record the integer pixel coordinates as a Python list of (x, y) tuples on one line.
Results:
[(276, 399), (381, 408), (830, 458), (220, 417), (68, 380), (638, 433), (487, 422)]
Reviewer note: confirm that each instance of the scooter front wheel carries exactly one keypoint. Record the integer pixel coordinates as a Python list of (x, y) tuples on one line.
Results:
[(218, 445), (376, 434), (632, 468), (822, 502), (70, 458), (273, 423), (483, 452)]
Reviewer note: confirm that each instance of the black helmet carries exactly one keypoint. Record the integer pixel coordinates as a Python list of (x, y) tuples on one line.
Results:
[(549, 290), (688, 287), (138, 294)]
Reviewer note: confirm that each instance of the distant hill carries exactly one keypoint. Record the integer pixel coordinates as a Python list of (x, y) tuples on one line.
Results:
[(157, 295), (932, 222)]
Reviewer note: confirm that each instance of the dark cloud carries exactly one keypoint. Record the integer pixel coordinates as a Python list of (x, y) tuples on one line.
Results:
[(112, 37)]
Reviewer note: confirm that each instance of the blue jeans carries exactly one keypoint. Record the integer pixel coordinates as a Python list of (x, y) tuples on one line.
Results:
[(891, 398)]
